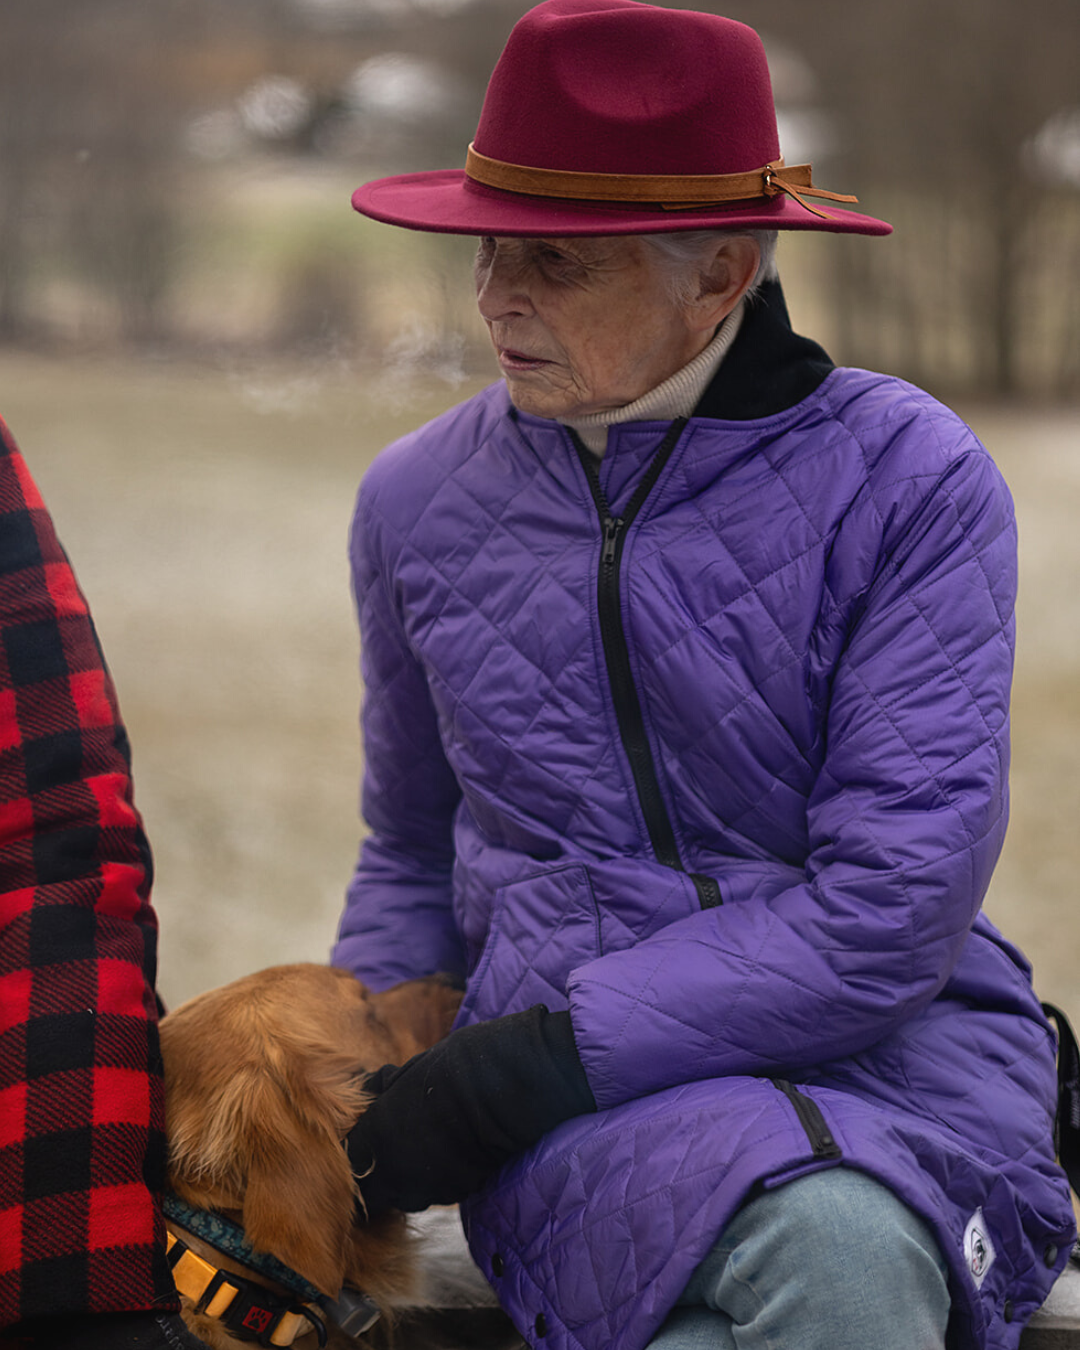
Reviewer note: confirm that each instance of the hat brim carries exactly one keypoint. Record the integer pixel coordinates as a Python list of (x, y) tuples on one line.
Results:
[(447, 202)]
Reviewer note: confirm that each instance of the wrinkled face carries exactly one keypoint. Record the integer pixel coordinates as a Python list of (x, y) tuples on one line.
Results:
[(580, 325)]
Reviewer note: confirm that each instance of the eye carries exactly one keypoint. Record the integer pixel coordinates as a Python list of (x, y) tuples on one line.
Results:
[(559, 264)]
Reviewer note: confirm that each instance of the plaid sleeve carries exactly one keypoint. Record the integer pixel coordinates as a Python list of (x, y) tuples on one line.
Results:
[(81, 1098)]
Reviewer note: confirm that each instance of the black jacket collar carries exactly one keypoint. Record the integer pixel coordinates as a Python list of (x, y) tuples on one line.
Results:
[(768, 369)]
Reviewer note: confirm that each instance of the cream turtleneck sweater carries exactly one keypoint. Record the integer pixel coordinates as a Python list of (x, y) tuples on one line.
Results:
[(676, 397)]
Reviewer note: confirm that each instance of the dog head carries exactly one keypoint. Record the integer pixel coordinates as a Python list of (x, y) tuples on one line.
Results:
[(263, 1081)]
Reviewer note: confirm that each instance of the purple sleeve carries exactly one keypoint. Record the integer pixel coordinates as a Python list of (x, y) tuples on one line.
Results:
[(398, 921)]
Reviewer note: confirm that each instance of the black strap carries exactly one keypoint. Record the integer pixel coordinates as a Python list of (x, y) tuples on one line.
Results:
[(1067, 1124)]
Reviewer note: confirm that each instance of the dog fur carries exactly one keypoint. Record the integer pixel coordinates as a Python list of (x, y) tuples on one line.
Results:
[(262, 1083)]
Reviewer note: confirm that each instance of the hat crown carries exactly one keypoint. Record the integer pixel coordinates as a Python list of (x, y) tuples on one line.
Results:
[(618, 87)]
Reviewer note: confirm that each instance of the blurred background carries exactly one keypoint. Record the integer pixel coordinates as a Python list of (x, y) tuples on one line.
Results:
[(202, 347)]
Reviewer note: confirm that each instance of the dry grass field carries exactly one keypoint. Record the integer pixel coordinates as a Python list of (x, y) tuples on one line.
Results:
[(206, 514)]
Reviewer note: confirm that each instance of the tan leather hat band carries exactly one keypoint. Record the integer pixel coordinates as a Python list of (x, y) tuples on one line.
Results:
[(672, 192)]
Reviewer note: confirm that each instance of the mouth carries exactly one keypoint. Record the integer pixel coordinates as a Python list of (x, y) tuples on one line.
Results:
[(511, 359)]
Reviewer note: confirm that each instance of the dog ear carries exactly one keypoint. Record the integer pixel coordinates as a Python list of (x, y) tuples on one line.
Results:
[(417, 1013), (299, 1197)]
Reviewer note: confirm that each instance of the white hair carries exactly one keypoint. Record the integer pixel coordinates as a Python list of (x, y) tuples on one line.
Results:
[(686, 254)]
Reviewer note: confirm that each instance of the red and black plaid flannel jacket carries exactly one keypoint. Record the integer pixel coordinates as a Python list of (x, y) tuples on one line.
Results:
[(81, 1099)]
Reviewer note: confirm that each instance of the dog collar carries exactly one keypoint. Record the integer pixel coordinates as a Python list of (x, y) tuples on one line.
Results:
[(250, 1311), (228, 1237), (353, 1312)]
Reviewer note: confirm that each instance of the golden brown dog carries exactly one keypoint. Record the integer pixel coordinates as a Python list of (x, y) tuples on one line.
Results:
[(262, 1083)]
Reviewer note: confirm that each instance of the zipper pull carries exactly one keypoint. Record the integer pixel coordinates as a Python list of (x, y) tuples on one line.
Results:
[(612, 526)]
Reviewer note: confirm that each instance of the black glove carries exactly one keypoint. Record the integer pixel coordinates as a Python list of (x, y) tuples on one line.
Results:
[(113, 1331), (449, 1118)]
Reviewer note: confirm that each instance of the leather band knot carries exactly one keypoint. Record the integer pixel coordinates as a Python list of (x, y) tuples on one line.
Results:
[(796, 182)]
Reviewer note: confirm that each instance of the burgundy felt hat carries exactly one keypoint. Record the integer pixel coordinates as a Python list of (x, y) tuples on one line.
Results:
[(613, 117)]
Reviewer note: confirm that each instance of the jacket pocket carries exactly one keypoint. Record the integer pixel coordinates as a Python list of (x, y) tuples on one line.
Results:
[(812, 1120), (542, 928)]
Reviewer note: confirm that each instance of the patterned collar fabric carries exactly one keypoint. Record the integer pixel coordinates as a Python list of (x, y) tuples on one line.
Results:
[(230, 1238)]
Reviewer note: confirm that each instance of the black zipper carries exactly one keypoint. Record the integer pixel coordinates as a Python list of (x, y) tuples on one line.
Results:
[(811, 1119), (624, 693)]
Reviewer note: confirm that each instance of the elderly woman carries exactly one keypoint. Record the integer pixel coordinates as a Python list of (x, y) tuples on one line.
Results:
[(687, 663)]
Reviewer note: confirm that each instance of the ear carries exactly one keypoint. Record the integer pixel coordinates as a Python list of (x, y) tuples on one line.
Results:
[(724, 281), (300, 1195), (416, 1013)]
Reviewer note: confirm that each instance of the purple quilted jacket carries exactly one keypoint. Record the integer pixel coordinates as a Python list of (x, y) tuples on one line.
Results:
[(710, 746)]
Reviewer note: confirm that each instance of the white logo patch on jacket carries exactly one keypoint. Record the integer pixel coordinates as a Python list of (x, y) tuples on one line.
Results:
[(978, 1249)]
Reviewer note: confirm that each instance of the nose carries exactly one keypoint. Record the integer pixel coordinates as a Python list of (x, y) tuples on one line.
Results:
[(501, 284)]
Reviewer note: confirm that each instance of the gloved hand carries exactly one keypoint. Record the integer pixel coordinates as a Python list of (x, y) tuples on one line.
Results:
[(113, 1331), (450, 1117)]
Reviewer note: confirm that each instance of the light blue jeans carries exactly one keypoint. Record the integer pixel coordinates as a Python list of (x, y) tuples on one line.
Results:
[(831, 1261)]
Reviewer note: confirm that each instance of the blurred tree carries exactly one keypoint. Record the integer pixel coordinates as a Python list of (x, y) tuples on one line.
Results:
[(937, 103), (90, 102), (25, 104)]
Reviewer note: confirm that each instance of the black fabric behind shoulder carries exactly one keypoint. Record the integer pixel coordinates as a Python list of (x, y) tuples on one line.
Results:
[(768, 369)]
